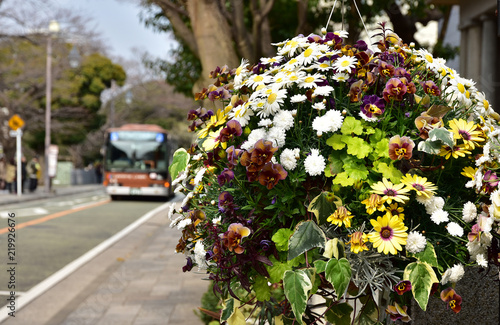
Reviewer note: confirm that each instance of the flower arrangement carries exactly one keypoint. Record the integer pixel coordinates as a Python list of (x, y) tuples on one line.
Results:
[(340, 172)]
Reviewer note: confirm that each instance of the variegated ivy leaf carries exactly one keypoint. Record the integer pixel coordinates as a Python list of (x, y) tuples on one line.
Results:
[(338, 273), (428, 255), (422, 277), (307, 235), (179, 162), (443, 135), (296, 285)]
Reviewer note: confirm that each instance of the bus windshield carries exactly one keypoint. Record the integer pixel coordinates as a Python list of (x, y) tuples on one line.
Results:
[(136, 151)]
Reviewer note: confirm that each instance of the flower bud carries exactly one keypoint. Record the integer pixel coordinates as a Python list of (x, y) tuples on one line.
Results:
[(323, 31)]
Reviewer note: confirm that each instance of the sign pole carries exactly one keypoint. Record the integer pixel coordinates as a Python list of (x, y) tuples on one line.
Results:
[(19, 163)]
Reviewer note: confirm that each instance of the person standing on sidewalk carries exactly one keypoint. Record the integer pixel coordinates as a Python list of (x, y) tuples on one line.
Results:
[(10, 175), (3, 184), (32, 170), (24, 173)]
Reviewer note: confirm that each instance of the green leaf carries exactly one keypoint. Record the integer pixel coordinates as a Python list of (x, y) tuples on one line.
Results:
[(335, 141), (335, 164), (430, 147), (334, 248), (351, 125), (443, 135), (339, 314), (338, 273), (179, 162), (343, 179), (296, 285), (237, 318), (306, 236), (315, 280), (262, 289), (277, 270), (357, 147), (321, 207), (380, 149), (388, 171), (357, 172), (422, 276), (228, 310), (369, 313), (320, 266), (377, 136), (280, 239), (428, 255)]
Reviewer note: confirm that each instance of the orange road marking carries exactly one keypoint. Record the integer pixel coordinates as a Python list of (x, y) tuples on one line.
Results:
[(52, 216)]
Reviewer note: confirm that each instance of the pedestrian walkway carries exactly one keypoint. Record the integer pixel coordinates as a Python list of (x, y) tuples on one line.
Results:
[(138, 280), (10, 198)]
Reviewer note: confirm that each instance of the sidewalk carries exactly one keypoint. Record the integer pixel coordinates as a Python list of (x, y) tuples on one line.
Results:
[(8, 198), (138, 280)]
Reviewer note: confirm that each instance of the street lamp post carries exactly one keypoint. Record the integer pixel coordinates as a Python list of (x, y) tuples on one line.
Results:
[(53, 29)]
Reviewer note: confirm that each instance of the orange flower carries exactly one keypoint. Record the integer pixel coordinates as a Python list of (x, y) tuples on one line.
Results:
[(233, 236)]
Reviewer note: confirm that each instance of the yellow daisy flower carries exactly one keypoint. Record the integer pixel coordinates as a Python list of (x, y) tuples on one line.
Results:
[(358, 242), (395, 210), (455, 152), (390, 191), (389, 234), (217, 119), (469, 172), (341, 216), (419, 184), (467, 131), (373, 203)]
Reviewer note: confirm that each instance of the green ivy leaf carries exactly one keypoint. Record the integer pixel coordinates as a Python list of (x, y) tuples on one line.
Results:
[(280, 239), (315, 280), (368, 315), (335, 141), (428, 255), (334, 248), (277, 270), (430, 147), (442, 135), (338, 273), (262, 289), (228, 309), (339, 314), (388, 171), (321, 207), (357, 147), (320, 266), (351, 125), (422, 276), (334, 165), (179, 162), (296, 285), (306, 236)]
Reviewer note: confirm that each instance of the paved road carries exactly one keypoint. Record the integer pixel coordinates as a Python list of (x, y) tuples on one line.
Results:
[(136, 280)]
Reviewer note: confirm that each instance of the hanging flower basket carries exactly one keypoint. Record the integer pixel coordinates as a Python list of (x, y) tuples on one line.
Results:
[(338, 172)]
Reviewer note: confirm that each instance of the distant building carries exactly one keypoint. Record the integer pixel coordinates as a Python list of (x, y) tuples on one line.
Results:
[(479, 45)]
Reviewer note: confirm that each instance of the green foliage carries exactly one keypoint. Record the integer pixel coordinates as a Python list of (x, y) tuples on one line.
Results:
[(307, 235), (369, 313), (209, 301), (179, 162), (338, 273), (422, 277), (297, 285), (280, 239), (428, 255), (262, 289), (322, 207), (339, 314)]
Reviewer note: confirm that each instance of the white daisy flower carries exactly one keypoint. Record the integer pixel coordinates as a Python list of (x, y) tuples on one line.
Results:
[(294, 77), (253, 137), (323, 66), (341, 77), (469, 212), (453, 274), (455, 229), (345, 63), (319, 106), (439, 216), (315, 163), (341, 33), (495, 205), (415, 242), (276, 59), (310, 81), (298, 98), (434, 204), (199, 176), (184, 223), (323, 90), (242, 114), (241, 73), (258, 80), (483, 105), (309, 56), (217, 220)]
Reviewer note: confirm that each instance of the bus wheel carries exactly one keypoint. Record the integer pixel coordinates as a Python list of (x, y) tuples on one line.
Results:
[(115, 197)]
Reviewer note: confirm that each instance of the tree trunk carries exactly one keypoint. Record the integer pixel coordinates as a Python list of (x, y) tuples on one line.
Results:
[(213, 38)]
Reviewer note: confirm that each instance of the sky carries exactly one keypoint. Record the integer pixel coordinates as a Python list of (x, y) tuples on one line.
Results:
[(118, 23)]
